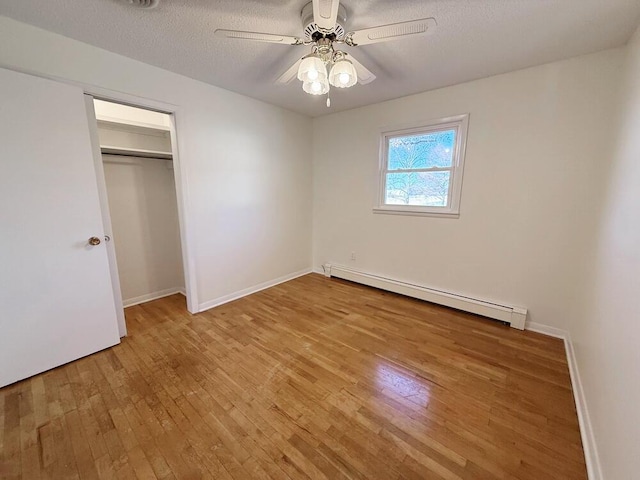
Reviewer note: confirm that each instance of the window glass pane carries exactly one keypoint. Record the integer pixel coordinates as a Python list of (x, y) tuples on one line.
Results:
[(427, 189), (424, 150)]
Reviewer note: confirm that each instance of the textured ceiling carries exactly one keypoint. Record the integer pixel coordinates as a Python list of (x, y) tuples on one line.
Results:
[(474, 39)]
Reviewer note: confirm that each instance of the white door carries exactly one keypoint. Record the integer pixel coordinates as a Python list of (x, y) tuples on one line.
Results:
[(56, 300)]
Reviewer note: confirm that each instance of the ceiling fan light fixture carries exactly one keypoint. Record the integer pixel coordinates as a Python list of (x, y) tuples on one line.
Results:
[(312, 69), (323, 22), (343, 74), (319, 86)]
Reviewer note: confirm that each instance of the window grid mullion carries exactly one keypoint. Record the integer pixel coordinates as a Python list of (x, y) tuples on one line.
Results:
[(420, 170)]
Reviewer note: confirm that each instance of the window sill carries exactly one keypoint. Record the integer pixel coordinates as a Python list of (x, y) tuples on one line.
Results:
[(415, 212)]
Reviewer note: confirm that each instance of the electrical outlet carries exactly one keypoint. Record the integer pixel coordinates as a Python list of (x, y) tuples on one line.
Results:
[(353, 256)]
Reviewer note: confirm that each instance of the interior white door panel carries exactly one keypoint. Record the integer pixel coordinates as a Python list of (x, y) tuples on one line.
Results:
[(56, 299)]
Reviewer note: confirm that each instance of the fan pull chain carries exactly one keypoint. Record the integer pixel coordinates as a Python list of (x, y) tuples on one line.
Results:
[(328, 101)]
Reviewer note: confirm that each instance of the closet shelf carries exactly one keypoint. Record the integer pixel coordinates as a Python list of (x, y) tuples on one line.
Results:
[(135, 152), (132, 126)]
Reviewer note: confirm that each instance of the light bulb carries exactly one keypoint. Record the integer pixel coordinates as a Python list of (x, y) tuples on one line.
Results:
[(343, 74), (311, 68), (320, 86)]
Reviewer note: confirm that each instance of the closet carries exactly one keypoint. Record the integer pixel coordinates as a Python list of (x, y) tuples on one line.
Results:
[(139, 177)]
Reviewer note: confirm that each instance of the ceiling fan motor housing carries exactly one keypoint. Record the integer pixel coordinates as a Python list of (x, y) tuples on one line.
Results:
[(313, 33), (142, 3)]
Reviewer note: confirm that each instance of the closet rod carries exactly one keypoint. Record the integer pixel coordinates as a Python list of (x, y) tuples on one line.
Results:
[(138, 156), (126, 152)]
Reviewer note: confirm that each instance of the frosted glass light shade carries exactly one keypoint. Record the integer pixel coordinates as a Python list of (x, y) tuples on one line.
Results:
[(311, 69), (343, 74), (320, 86)]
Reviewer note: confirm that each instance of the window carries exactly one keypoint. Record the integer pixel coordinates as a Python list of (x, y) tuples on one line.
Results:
[(421, 168)]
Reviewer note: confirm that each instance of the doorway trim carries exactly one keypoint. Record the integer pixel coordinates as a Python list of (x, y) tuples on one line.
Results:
[(178, 129), (180, 184)]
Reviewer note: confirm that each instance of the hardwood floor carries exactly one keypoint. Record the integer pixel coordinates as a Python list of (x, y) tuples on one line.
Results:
[(314, 378)]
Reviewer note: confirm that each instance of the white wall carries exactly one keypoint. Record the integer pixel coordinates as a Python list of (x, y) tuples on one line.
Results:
[(245, 165), (144, 220), (606, 337), (531, 182)]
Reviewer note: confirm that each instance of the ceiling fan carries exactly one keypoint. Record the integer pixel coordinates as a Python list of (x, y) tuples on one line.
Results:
[(326, 65)]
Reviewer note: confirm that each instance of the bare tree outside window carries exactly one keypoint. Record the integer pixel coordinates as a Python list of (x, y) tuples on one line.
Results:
[(419, 169)]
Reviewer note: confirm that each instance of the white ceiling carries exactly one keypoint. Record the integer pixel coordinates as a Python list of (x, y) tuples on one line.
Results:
[(474, 39)]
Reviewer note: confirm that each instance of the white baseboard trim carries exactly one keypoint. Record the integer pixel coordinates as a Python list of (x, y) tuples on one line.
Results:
[(594, 470), (546, 330), (130, 302), (248, 291)]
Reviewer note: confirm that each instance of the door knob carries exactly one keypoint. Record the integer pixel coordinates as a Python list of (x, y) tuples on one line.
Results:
[(94, 241)]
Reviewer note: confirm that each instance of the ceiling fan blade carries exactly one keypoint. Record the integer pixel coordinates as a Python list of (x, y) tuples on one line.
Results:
[(258, 37), (364, 74), (325, 13), (393, 31), (290, 74)]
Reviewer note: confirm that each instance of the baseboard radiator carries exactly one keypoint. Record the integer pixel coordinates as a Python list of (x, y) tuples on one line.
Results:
[(515, 316)]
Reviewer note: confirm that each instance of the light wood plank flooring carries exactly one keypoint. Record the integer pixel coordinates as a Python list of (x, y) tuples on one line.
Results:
[(315, 378)]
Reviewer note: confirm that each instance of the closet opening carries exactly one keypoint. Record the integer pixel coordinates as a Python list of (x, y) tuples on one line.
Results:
[(140, 211)]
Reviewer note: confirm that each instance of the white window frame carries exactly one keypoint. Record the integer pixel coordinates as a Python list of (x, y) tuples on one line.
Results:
[(460, 124)]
